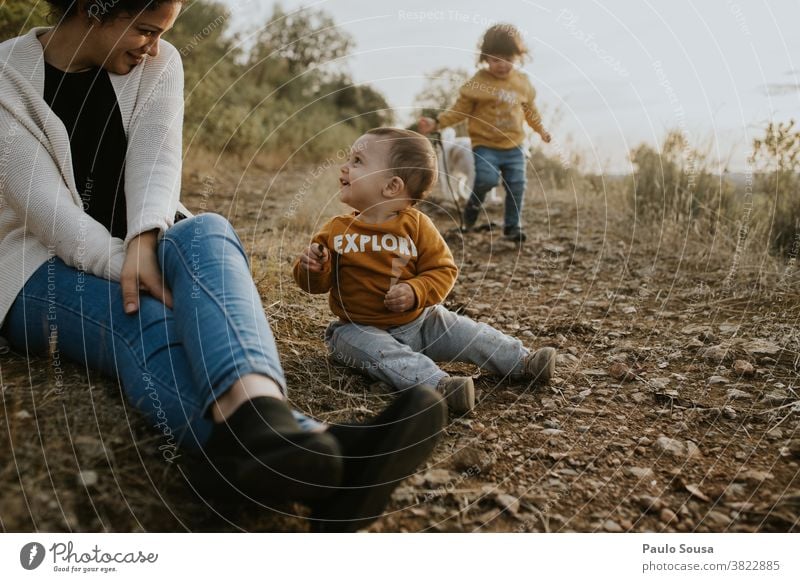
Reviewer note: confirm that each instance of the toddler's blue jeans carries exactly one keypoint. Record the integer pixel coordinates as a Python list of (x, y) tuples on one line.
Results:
[(490, 165)]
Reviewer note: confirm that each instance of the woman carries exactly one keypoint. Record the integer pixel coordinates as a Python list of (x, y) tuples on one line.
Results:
[(93, 265)]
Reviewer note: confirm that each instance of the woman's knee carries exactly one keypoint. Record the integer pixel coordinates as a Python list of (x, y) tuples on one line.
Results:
[(199, 226)]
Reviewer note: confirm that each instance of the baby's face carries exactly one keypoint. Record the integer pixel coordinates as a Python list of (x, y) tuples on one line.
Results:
[(365, 173)]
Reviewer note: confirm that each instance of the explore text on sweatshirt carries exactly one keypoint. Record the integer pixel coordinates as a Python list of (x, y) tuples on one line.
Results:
[(367, 259)]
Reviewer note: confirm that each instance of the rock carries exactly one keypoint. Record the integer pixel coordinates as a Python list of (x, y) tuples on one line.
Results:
[(676, 448), (22, 415), (736, 394), (593, 372), (612, 526), (629, 310), (761, 347), (88, 478), (775, 397), (743, 368), (648, 503), (620, 371), (552, 423), (471, 458), (659, 383), (716, 520), (667, 515), (508, 502), (439, 477), (754, 475), (552, 432), (715, 380), (718, 353), (641, 473)]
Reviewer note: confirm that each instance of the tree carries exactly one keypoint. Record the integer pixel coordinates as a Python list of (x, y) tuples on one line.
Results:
[(440, 90), (362, 106), (298, 43), (18, 17)]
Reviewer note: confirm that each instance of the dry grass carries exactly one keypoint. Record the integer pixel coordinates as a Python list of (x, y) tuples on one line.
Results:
[(52, 436)]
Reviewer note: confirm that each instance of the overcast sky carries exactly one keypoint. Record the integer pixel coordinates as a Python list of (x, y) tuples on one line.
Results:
[(609, 74)]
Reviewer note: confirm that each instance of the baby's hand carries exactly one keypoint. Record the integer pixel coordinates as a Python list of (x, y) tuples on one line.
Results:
[(426, 125), (545, 136), (400, 298), (314, 258)]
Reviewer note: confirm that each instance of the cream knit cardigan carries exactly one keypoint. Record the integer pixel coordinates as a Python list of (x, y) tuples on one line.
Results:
[(41, 213)]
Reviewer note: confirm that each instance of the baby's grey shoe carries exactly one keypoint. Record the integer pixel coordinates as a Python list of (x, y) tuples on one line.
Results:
[(458, 392), (540, 365)]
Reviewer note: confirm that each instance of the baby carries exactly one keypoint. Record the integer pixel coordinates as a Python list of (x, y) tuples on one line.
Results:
[(388, 269)]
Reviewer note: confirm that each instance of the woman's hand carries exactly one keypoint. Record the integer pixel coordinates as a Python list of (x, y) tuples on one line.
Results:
[(314, 258), (141, 272), (400, 298)]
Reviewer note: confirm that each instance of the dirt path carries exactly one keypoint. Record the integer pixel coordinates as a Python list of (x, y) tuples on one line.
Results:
[(675, 405)]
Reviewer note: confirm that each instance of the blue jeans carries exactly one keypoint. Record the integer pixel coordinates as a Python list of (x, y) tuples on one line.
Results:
[(490, 166), (405, 355), (172, 363)]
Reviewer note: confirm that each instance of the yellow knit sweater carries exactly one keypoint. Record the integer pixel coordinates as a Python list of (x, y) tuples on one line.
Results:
[(367, 259), (496, 109)]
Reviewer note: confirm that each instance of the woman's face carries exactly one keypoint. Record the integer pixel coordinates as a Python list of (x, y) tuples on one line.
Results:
[(122, 43)]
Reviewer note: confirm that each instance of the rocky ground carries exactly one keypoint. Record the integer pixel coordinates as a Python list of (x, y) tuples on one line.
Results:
[(675, 405)]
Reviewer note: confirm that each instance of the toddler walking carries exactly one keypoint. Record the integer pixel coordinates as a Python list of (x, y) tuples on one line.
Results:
[(497, 102)]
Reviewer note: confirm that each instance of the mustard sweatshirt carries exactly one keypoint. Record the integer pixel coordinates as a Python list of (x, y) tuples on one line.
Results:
[(367, 259), (496, 109)]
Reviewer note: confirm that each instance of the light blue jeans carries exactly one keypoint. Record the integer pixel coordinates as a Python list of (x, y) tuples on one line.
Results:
[(405, 355), (490, 165), (172, 363)]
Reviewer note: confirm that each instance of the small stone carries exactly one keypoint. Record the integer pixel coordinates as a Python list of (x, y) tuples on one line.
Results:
[(641, 473), (648, 503), (612, 526), (743, 368), (667, 515), (754, 475), (620, 371), (470, 458), (715, 380), (628, 310), (761, 347), (736, 394), (22, 415), (677, 448), (718, 353), (552, 432), (508, 502), (438, 476), (716, 520), (88, 478)]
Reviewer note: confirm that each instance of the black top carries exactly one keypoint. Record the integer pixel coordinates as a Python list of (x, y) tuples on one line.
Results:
[(87, 106)]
